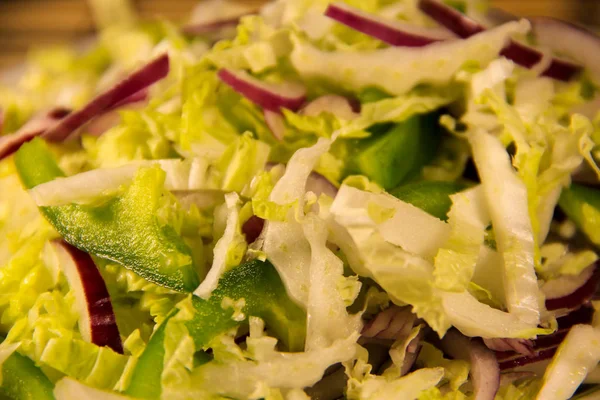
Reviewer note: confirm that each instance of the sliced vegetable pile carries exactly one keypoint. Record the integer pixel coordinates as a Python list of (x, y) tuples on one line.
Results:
[(386, 199)]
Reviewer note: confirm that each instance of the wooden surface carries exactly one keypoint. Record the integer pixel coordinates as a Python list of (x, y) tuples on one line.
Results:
[(24, 23)]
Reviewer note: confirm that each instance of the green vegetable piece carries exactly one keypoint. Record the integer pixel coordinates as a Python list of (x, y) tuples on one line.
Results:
[(201, 358), (397, 155), (259, 284), (582, 205), (125, 229), (459, 6), (432, 197), (22, 379), (371, 95), (145, 380)]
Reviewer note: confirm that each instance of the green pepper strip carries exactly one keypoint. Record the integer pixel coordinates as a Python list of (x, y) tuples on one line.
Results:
[(582, 206), (432, 197), (145, 380), (23, 380), (124, 230), (398, 155), (261, 288)]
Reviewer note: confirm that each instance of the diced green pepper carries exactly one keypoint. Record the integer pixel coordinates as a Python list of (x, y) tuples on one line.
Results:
[(582, 205), (259, 284), (125, 229), (23, 380), (432, 197), (397, 155)]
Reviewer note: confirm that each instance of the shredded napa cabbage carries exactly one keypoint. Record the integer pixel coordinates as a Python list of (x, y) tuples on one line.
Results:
[(228, 182)]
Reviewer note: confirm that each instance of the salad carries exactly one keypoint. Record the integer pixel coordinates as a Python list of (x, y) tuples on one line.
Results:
[(382, 199)]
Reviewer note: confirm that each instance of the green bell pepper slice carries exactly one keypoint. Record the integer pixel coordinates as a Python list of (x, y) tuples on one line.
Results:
[(125, 229), (145, 380), (582, 206), (432, 197), (397, 155), (259, 284), (23, 380)]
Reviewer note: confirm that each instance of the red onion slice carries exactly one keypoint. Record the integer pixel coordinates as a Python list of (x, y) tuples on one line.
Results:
[(528, 57), (412, 353), (485, 372), (319, 185), (566, 284), (543, 344), (252, 228), (391, 323), (520, 53), (380, 322), (276, 124), (97, 319), (583, 315), (109, 119), (339, 106), (391, 32), (562, 70), (138, 97), (466, 27), (58, 113), (552, 340), (539, 355), (134, 83), (450, 18), (576, 42), (580, 296), (36, 126), (269, 96), (521, 346)]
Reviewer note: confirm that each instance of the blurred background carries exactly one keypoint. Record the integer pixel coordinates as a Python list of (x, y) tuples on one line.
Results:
[(24, 23)]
